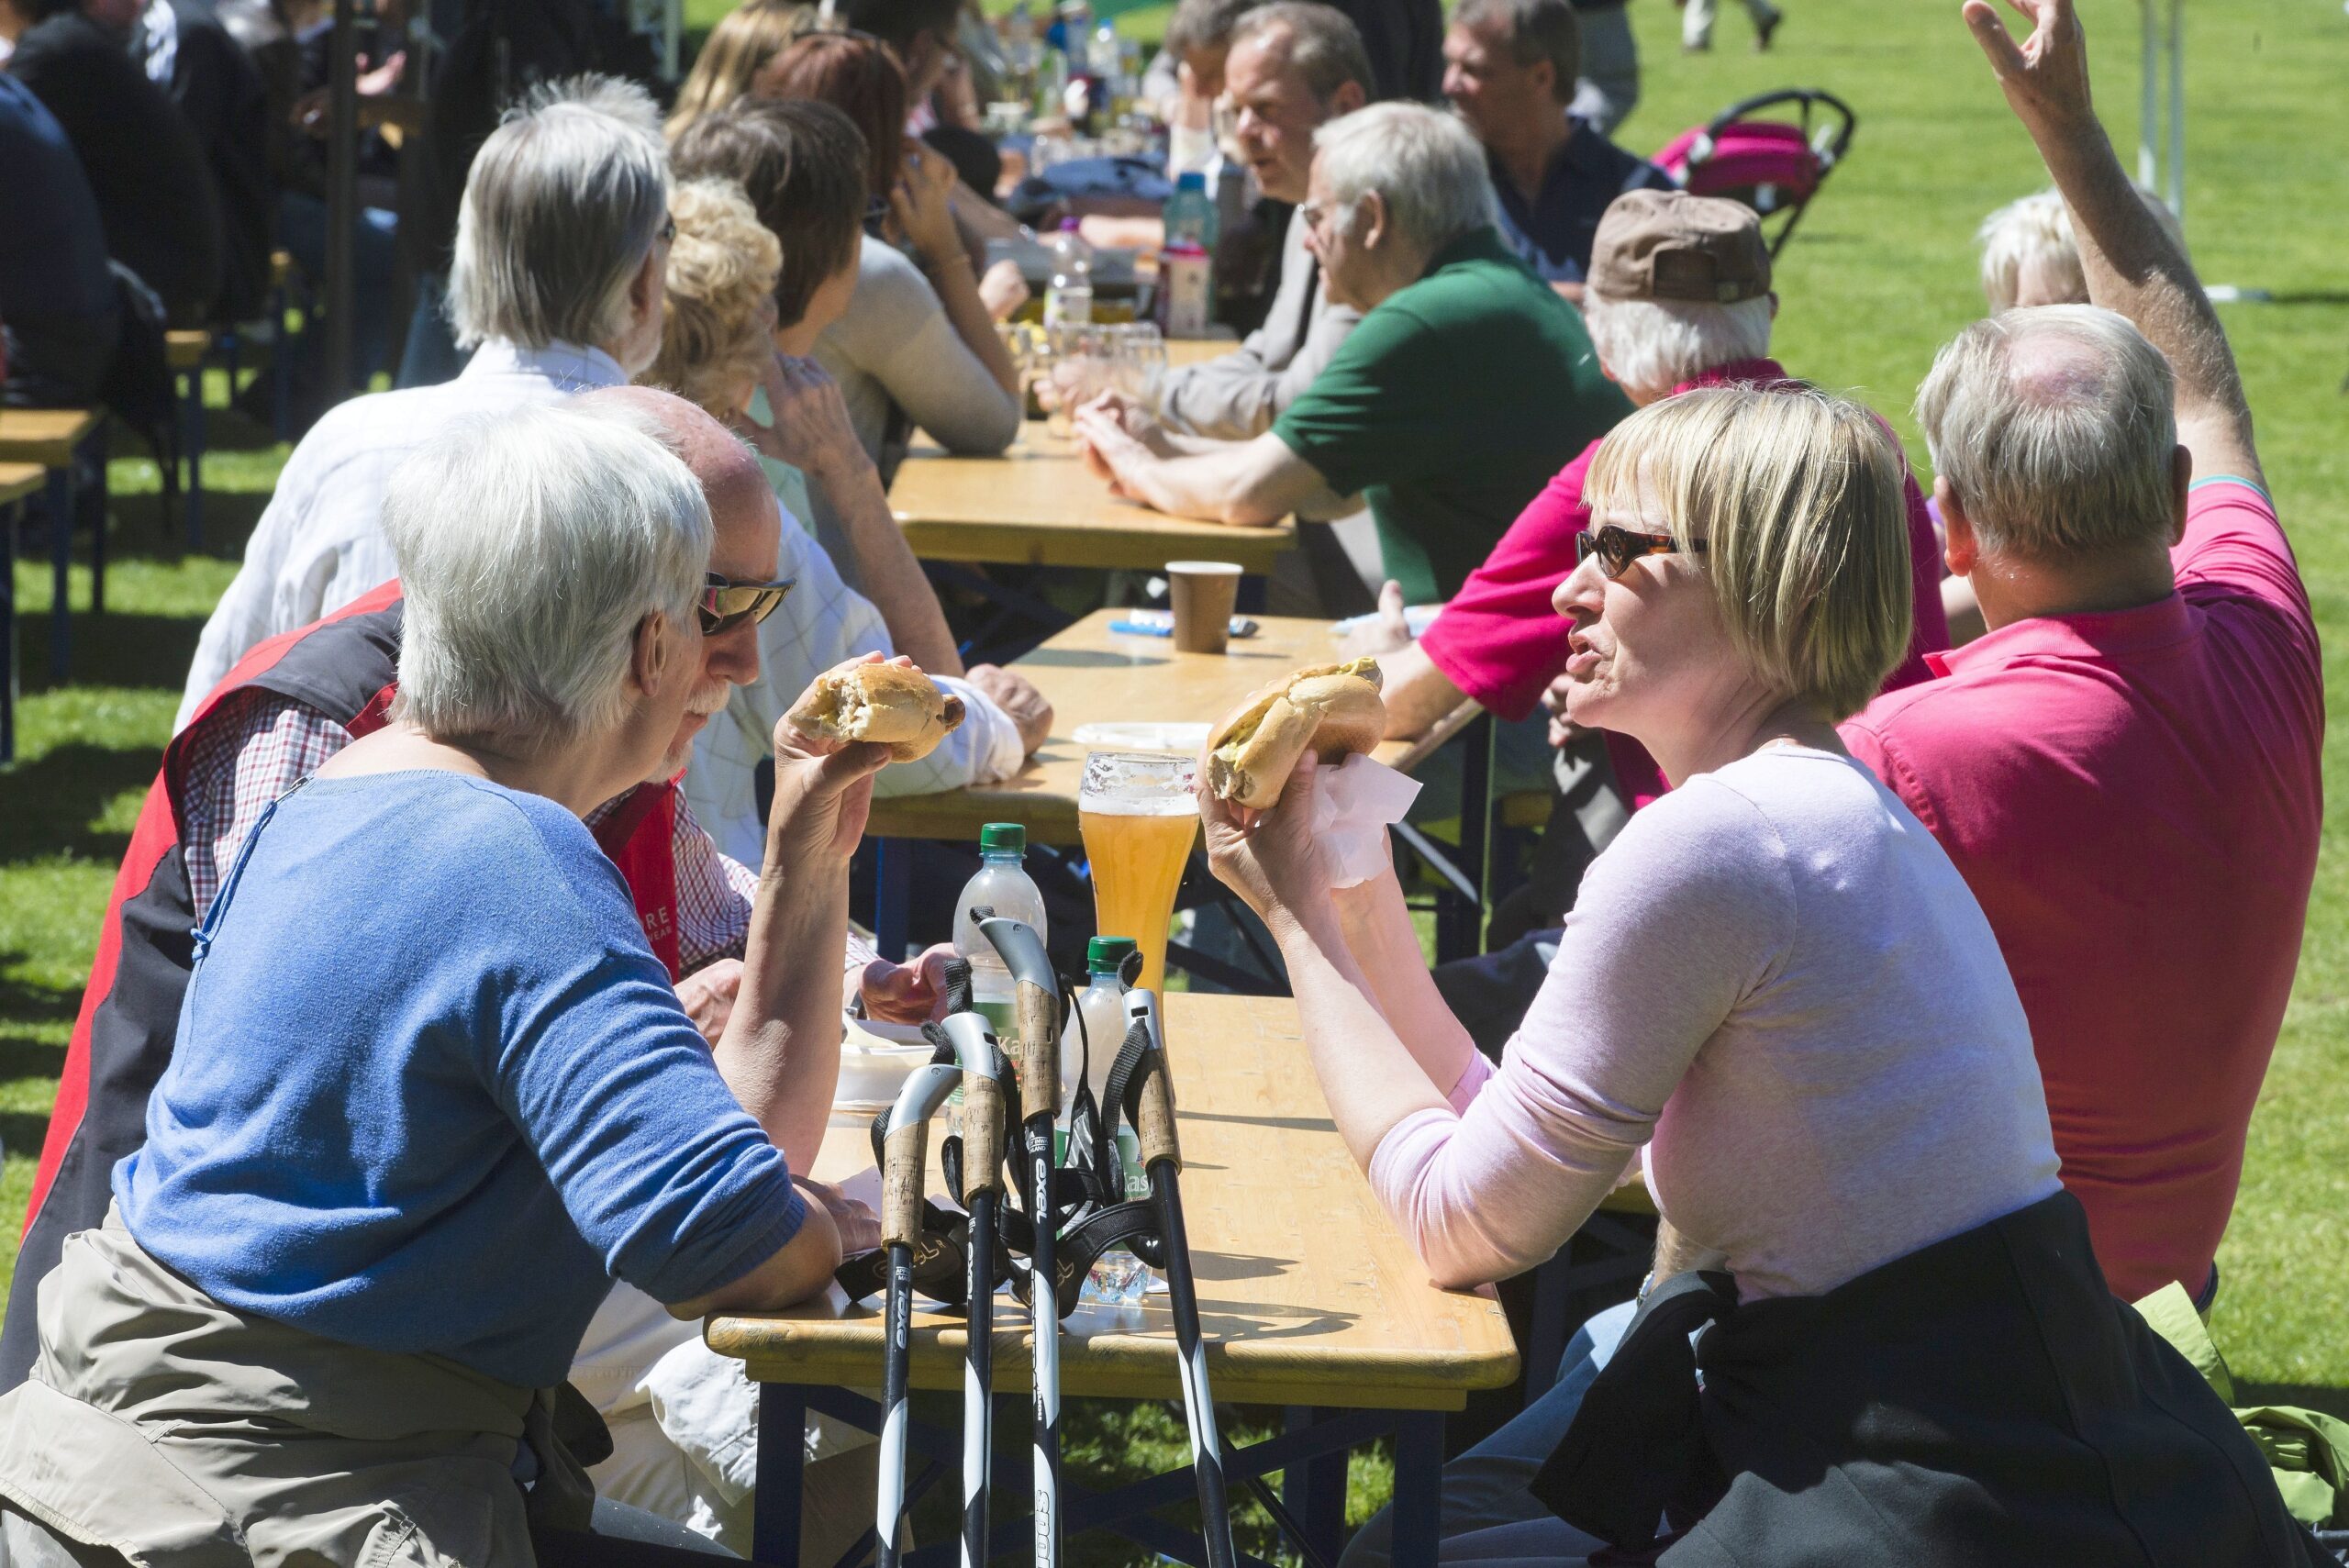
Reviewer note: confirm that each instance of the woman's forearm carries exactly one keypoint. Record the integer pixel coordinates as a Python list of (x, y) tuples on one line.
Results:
[(780, 1051), (956, 279), (1369, 1078), (1386, 947)]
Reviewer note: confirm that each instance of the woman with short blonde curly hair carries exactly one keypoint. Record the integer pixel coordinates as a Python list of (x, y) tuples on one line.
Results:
[(716, 329)]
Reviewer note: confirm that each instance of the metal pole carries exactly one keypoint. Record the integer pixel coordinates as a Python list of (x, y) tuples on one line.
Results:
[(2177, 110), (342, 197), (2148, 105)]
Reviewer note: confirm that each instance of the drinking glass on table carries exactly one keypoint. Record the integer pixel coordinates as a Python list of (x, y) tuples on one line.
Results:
[(1081, 366), (1136, 814)]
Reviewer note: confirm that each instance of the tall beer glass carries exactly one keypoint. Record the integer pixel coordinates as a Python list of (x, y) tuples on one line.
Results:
[(1138, 819)]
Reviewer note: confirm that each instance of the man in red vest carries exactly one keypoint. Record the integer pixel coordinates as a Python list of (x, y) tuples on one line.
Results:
[(288, 706)]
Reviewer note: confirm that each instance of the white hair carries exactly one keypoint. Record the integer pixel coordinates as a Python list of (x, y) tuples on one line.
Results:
[(1424, 162), (2033, 236), (1651, 346), (565, 200), (2056, 427), (531, 544)]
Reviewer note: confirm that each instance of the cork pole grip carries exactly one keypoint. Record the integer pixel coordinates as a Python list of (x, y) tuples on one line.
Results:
[(1039, 1052), (983, 1135), (904, 1156), (1155, 1116)]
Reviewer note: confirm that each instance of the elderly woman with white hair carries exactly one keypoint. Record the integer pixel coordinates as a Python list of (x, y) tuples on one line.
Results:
[(1778, 997), (1465, 386), (561, 240), (418, 1120)]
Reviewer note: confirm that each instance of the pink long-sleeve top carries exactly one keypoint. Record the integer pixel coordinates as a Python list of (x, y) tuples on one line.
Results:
[(1776, 982)]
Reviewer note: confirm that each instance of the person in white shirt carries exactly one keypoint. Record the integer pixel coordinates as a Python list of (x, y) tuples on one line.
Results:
[(561, 243)]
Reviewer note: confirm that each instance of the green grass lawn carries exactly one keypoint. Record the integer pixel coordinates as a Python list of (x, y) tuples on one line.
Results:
[(1880, 275)]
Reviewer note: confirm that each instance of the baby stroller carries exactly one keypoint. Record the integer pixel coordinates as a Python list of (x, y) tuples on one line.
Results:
[(1772, 166)]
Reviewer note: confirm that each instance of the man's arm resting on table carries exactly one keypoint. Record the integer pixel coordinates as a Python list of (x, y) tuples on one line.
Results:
[(1418, 694), (800, 1268), (1250, 483)]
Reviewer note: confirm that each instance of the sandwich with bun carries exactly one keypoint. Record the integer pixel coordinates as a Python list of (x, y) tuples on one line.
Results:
[(900, 707), (1332, 710)]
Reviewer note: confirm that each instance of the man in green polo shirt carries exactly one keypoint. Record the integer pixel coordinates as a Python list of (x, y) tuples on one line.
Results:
[(1467, 385)]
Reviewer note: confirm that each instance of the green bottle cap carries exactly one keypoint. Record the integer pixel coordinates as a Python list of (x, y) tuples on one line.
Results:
[(1104, 954), (1004, 836)]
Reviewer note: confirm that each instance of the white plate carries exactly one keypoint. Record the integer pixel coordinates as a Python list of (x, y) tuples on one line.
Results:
[(1142, 737), (876, 1059)]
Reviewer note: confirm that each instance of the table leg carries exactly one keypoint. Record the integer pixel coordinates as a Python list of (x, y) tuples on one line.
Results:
[(782, 1457), (1418, 1489), (61, 555), (892, 880), (8, 516), (281, 364), (95, 452), (194, 408), (1315, 1490)]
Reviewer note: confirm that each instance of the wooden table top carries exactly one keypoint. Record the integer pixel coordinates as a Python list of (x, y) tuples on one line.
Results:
[(1036, 505), (1308, 1295), (1091, 674), (19, 480), (184, 349), (45, 436)]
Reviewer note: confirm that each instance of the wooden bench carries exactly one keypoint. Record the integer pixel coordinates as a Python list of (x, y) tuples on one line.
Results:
[(17, 480), (52, 440)]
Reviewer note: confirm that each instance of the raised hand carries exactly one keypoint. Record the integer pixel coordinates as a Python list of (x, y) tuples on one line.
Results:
[(812, 431), (823, 792), (2045, 77)]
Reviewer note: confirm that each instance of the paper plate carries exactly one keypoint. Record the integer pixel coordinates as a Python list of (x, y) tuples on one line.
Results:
[(1142, 737)]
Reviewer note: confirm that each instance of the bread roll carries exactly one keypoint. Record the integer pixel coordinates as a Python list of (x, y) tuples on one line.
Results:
[(900, 708), (1334, 709)]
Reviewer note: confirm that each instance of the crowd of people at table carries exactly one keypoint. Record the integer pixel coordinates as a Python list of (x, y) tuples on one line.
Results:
[(1923, 889)]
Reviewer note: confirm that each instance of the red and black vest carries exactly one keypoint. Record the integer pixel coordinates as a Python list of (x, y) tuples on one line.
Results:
[(345, 667)]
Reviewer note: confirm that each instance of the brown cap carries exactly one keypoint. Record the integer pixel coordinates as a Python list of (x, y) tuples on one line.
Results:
[(1671, 245)]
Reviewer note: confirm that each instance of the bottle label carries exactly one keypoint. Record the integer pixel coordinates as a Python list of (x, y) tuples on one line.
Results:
[(1068, 307), (1188, 278)]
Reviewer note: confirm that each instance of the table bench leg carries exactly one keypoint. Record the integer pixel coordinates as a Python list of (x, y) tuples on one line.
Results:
[(192, 425), (1418, 1489), (892, 883), (60, 556), (1315, 1490), (782, 1466), (8, 516)]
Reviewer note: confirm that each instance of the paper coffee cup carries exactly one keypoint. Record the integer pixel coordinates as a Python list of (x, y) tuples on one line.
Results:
[(1204, 593)]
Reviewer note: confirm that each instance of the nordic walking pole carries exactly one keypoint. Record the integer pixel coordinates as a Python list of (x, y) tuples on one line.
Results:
[(904, 1160), (984, 1113), (1162, 1158), (1036, 997)]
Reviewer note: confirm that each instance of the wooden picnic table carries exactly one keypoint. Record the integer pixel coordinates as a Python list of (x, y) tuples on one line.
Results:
[(1091, 674), (53, 439), (1309, 1298)]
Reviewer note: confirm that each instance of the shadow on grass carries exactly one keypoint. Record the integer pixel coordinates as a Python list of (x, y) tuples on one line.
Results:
[(116, 648), (46, 804), (36, 1003), (24, 1057), (23, 1132), (2308, 1396)]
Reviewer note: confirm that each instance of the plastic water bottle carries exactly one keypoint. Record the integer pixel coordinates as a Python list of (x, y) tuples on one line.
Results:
[(1117, 1277), (1068, 299), (1186, 265), (1004, 884)]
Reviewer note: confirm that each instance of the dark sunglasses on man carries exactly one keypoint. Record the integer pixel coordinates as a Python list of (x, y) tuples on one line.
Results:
[(1618, 548), (726, 604)]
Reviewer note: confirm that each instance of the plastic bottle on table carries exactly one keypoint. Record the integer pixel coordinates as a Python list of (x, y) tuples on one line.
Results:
[(1087, 1053), (1068, 299), (1003, 882), (1186, 265)]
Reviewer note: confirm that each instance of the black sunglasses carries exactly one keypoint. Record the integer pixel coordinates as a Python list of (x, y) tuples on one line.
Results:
[(1618, 548), (726, 604)]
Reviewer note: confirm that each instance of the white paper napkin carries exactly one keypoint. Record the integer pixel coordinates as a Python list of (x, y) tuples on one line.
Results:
[(1357, 800)]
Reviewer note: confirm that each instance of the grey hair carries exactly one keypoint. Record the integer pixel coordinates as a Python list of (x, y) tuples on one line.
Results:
[(531, 544), (2057, 428), (1426, 163), (1537, 30), (1204, 24), (565, 200), (1324, 45), (2034, 233), (1651, 346)]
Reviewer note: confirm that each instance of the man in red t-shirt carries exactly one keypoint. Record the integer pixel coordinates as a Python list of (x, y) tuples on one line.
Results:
[(2126, 766), (1678, 296)]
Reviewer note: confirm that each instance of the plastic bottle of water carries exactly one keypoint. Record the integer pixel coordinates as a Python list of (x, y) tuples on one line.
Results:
[(1117, 1277), (1068, 300), (1004, 884), (1186, 266)]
